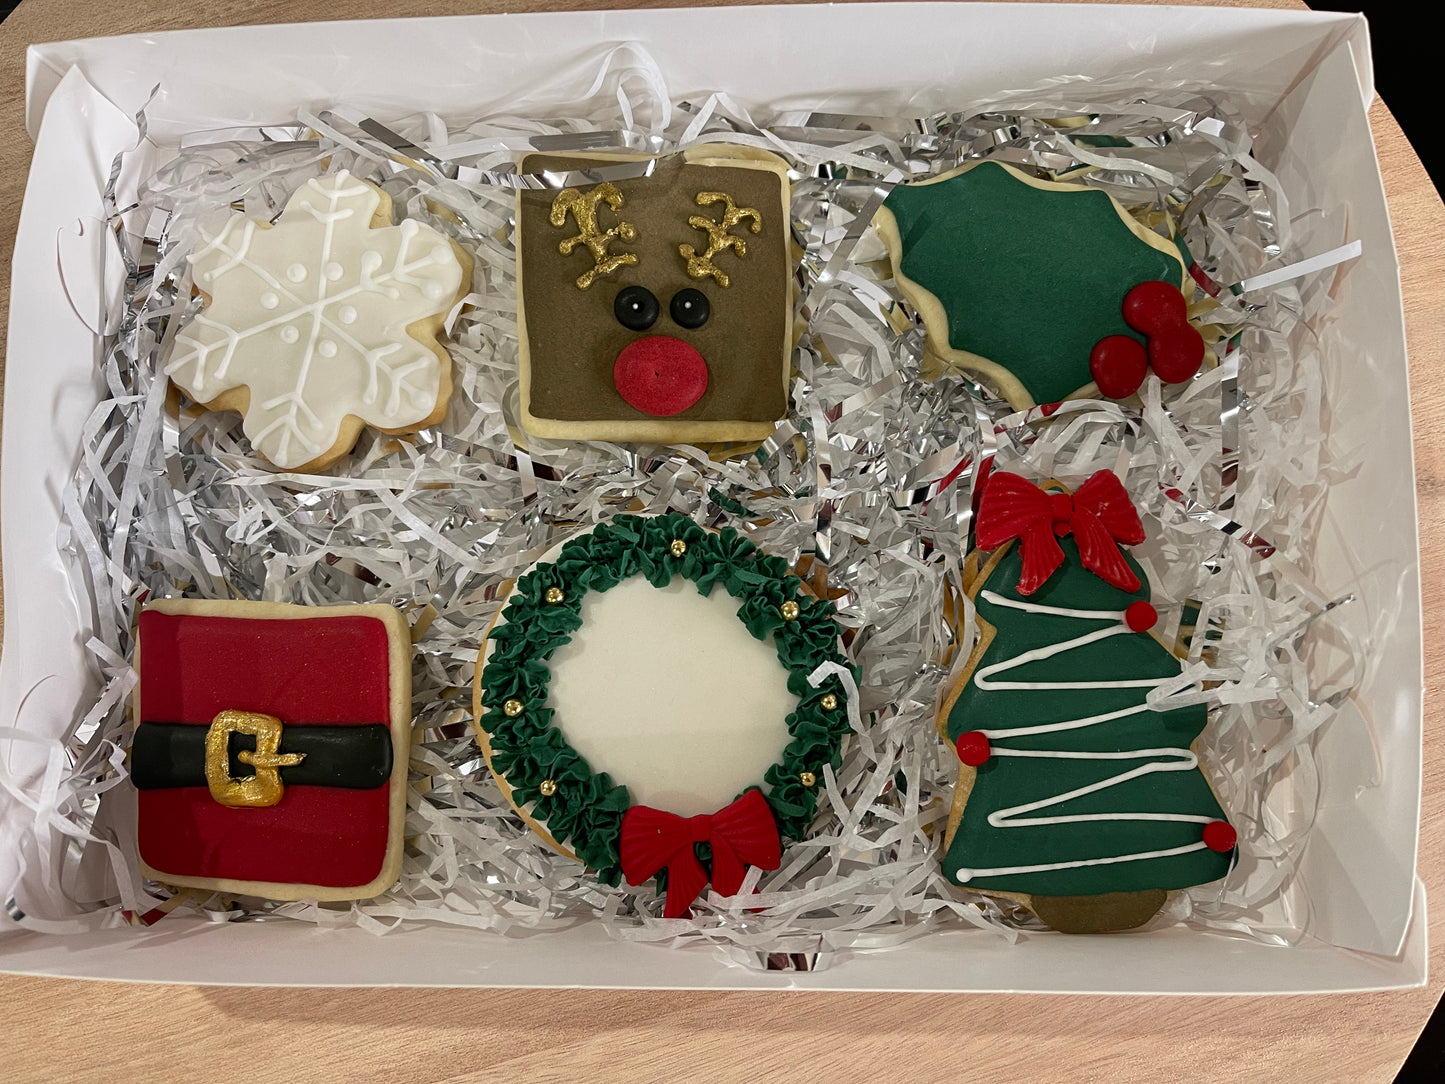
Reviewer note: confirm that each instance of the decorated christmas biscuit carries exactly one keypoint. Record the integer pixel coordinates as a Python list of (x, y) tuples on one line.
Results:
[(1074, 796), (651, 686), (1048, 290), (656, 308), (271, 747), (325, 321)]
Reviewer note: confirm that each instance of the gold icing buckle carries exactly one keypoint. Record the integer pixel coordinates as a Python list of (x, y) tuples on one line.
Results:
[(265, 787)]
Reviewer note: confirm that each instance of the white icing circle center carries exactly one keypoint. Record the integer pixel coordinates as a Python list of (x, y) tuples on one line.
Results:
[(666, 691)]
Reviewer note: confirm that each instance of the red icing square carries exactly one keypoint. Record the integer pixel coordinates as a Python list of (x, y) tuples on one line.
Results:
[(309, 670)]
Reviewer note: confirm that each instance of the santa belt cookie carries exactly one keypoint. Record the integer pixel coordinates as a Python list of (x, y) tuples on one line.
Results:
[(270, 753), (249, 758)]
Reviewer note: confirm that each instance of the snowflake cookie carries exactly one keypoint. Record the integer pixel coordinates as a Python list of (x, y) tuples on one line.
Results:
[(321, 323)]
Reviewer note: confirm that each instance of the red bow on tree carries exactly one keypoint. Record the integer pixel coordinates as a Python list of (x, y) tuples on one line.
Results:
[(1099, 514), (741, 834)]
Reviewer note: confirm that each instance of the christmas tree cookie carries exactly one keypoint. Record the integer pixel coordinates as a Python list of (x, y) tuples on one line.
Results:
[(1074, 797), (657, 697), (1048, 290)]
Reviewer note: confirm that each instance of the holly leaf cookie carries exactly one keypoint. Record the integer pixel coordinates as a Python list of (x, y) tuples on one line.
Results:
[(325, 321), (1074, 796), (1025, 281)]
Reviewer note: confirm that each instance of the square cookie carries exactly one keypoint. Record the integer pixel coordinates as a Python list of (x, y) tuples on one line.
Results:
[(656, 308), (271, 747)]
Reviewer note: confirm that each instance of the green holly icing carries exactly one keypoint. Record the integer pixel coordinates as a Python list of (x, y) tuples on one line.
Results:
[(1005, 782), (585, 810), (1028, 278)]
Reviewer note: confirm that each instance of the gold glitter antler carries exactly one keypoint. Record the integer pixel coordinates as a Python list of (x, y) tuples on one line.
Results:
[(583, 209), (718, 238)]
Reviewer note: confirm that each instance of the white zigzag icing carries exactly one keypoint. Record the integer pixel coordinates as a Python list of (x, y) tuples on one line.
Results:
[(1163, 759), (311, 315)]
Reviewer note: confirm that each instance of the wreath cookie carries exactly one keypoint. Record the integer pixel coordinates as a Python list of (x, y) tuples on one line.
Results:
[(1049, 290), (652, 686), (1074, 796), (322, 323)]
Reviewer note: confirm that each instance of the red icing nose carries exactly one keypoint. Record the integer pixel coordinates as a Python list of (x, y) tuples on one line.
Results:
[(660, 375)]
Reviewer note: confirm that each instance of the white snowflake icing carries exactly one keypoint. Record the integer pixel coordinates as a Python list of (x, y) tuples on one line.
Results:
[(311, 315)]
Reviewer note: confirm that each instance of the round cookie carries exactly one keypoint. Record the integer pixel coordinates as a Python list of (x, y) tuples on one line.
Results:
[(649, 686), (1074, 796), (321, 323)]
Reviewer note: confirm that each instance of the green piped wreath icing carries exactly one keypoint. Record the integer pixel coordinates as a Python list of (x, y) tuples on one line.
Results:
[(585, 811)]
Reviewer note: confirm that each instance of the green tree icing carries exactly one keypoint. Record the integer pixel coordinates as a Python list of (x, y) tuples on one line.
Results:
[(1163, 776)]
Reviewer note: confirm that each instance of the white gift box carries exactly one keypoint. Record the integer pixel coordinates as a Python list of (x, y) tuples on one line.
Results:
[(1303, 80)]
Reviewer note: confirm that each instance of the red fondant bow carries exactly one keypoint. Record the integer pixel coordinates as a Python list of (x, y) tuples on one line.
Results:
[(741, 834), (1099, 514)]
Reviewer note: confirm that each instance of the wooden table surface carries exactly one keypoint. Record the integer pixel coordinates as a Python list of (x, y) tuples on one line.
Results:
[(58, 1030)]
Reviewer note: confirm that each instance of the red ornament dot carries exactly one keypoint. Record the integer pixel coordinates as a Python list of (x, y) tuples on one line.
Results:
[(1220, 836), (660, 375), (1175, 355), (1153, 307), (1140, 616), (973, 748), (1118, 364)]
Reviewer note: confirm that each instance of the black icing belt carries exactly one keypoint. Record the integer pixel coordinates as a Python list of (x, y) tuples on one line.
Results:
[(174, 755)]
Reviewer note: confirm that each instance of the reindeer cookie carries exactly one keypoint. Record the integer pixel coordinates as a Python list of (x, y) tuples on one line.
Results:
[(656, 308)]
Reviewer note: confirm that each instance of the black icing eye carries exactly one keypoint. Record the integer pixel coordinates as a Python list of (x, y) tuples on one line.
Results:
[(635, 308), (690, 308)]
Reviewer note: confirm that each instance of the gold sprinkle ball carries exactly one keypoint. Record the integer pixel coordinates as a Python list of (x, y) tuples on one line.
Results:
[(512, 708), (829, 701), (553, 595), (678, 547), (807, 779), (789, 610), (548, 787)]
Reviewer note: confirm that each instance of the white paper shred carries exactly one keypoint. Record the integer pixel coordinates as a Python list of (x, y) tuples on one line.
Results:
[(870, 478)]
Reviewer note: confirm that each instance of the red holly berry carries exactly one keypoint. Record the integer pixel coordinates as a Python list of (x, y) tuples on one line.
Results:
[(1152, 307), (1176, 354), (1119, 364)]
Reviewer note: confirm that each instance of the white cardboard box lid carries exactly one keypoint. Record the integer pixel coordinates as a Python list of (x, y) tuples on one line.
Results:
[(1313, 66), (484, 63)]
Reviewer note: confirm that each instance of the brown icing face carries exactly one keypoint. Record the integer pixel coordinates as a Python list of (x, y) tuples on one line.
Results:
[(644, 342)]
